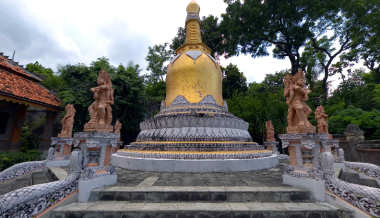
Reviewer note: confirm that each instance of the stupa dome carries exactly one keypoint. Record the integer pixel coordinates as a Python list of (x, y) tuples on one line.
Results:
[(193, 73)]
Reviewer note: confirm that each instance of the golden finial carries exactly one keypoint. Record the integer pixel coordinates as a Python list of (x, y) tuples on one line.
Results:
[(193, 7)]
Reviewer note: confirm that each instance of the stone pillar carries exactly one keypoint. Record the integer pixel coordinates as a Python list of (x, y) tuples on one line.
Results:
[(60, 151), (17, 124), (304, 155), (97, 149)]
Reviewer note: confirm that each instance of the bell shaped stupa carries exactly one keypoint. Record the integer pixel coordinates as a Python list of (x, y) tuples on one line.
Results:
[(194, 130)]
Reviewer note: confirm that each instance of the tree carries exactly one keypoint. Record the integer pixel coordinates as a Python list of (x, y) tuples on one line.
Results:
[(50, 79), (158, 58), (234, 81), (261, 102), (364, 17), (78, 80), (129, 105), (253, 26)]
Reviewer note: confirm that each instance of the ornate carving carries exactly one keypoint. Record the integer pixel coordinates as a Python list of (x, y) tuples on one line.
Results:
[(33, 200), (269, 131), (21, 169), (368, 169), (363, 197), (321, 117), (100, 110), (67, 122), (296, 95)]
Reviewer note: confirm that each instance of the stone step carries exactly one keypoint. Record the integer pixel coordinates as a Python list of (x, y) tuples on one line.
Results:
[(200, 193), (113, 209)]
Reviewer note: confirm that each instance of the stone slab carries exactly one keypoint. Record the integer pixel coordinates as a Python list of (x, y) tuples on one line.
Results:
[(200, 194), (316, 187), (86, 186), (188, 165), (57, 163), (191, 209), (58, 172)]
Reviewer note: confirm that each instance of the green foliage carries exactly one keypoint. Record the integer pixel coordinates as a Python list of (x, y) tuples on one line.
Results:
[(234, 81), (260, 103), (129, 100), (28, 140), (253, 26), (50, 80), (8, 159), (78, 80), (369, 121), (211, 35), (364, 18), (158, 58)]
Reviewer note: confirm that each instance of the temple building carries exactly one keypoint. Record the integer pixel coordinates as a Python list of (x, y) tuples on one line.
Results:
[(20, 92), (194, 123)]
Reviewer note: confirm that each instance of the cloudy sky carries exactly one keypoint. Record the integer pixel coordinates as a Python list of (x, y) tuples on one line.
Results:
[(72, 31)]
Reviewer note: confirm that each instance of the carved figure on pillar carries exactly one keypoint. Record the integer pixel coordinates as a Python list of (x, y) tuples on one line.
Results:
[(117, 127), (321, 118), (67, 122), (296, 95), (100, 110), (269, 131)]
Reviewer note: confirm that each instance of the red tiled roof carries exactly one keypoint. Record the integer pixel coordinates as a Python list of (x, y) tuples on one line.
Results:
[(5, 62), (21, 87)]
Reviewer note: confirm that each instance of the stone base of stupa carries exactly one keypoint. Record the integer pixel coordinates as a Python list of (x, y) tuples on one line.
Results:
[(194, 137), (170, 161)]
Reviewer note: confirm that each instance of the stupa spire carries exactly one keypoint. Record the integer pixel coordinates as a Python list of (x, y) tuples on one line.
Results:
[(193, 29)]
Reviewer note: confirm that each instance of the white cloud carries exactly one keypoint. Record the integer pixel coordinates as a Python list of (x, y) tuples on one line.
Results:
[(71, 31)]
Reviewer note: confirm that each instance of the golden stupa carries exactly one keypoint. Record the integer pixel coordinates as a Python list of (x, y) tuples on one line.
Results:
[(193, 73), (194, 123)]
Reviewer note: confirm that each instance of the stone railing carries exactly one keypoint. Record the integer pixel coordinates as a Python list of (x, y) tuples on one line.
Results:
[(21, 169), (33, 200), (363, 197), (367, 169)]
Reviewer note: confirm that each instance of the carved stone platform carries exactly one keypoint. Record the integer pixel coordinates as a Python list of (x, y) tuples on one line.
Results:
[(129, 162), (59, 152), (98, 171), (62, 147)]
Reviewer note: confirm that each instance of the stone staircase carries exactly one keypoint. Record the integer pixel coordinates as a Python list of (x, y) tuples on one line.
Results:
[(199, 201)]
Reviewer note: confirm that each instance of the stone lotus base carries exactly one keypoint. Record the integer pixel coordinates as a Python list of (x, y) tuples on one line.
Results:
[(259, 161)]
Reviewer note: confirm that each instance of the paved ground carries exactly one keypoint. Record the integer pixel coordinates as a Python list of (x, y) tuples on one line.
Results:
[(270, 177)]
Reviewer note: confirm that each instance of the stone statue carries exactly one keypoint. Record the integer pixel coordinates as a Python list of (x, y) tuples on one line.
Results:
[(340, 155), (67, 122), (51, 153), (321, 118), (296, 95), (117, 127), (269, 131), (100, 110)]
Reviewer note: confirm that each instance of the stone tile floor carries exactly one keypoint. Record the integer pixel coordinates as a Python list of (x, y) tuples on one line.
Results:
[(269, 177)]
